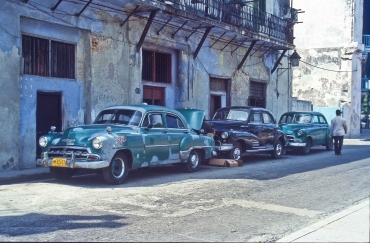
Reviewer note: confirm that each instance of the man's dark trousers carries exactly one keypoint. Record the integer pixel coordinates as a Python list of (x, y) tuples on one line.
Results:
[(338, 142)]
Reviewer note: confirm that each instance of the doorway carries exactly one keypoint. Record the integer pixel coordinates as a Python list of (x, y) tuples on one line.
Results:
[(48, 113), (218, 94)]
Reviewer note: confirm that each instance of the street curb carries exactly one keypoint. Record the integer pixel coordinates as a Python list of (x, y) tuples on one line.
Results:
[(25, 177), (317, 226)]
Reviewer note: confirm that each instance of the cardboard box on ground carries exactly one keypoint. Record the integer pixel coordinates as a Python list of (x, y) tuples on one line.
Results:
[(225, 162)]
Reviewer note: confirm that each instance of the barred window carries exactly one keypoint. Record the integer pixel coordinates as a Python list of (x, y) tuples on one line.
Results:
[(156, 67), (257, 95), (48, 58)]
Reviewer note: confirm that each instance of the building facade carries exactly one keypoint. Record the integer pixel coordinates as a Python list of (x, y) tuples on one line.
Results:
[(63, 61), (329, 41)]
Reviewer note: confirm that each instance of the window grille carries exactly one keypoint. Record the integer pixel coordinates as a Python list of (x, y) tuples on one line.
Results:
[(156, 67), (48, 58)]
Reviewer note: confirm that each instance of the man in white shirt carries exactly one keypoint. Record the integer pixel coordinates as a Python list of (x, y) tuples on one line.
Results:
[(338, 129)]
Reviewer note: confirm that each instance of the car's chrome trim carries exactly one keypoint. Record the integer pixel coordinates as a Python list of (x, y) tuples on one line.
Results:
[(72, 162), (224, 147), (185, 154), (295, 144)]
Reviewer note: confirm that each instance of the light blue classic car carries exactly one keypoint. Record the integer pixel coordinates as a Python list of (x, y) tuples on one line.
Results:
[(305, 130), (128, 137)]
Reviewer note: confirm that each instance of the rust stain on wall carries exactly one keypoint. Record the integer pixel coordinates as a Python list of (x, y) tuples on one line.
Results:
[(100, 44)]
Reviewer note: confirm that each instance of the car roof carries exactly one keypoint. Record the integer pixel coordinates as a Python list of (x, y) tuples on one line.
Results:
[(303, 112), (243, 107), (142, 108)]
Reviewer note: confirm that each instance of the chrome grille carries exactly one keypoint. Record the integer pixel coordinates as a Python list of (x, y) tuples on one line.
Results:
[(67, 152)]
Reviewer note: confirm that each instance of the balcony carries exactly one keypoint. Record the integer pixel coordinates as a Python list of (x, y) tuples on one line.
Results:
[(239, 15), (237, 23)]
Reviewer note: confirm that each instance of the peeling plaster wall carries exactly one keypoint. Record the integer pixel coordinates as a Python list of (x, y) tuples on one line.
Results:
[(108, 70), (329, 43), (9, 108)]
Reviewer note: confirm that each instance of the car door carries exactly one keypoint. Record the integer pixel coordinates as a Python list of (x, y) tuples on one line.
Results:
[(155, 139), (256, 127), (269, 128), (321, 129), (176, 132)]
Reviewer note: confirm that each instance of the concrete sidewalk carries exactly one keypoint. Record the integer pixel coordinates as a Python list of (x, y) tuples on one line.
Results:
[(349, 225)]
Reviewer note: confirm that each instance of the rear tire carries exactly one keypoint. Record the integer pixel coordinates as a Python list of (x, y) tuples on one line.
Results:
[(236, 152), (193, 162), (117, 171), (307, 149), (60, 173)]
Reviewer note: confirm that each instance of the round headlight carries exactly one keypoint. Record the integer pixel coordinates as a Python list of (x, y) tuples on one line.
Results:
[(97, 143), (224, 135), (43, 141), (299, 133)]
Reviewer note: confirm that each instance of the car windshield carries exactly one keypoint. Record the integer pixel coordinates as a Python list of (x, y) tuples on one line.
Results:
[(232, 114), (296, 118), (119, 116)]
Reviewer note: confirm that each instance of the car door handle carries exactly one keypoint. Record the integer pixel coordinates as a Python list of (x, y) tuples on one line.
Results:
[(165, 131)]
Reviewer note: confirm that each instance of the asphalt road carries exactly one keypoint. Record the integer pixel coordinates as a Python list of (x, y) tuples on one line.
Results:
[(264, 200)]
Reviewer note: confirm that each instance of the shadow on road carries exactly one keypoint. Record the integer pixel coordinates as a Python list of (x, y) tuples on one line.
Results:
[(44, 223)]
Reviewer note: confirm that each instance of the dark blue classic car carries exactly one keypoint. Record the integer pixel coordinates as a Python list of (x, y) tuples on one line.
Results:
[(240, 130)]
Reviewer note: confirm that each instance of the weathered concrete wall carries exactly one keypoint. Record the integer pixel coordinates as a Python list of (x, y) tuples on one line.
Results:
[(301, 105), (9, 107), (328, 40), (108, 70), (9, 90)]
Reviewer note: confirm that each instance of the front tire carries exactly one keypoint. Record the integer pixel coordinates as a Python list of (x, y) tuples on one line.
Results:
[(61, 174), (307, 149), (117, 171), (193, 162), (278, 150), (236, 152)]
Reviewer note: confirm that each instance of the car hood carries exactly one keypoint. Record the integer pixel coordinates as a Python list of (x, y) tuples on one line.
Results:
[(289, 128), (193, 116), (227, 124), (80, 135)]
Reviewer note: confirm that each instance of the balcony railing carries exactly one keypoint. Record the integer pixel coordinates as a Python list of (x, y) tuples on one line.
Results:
[(239, 15)]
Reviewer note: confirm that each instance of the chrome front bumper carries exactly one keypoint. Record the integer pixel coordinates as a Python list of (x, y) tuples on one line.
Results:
[(295, 144), (224, 147), (74, 163)]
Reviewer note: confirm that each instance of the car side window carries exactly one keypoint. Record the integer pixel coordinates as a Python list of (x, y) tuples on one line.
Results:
[(153, 118), (255, 117), (316, 119), (322, 120), (267, 118), (174, 121)]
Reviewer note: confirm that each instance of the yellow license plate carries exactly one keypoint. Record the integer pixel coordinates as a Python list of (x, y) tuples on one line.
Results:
[(60, 162)]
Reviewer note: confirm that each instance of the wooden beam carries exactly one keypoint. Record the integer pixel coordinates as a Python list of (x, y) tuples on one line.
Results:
[(202, 41), (278, 61), (246, 54), (146, 29)]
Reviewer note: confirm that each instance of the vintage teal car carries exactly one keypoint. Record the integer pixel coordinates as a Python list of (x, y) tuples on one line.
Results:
[(128, 137), (305, 130)]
